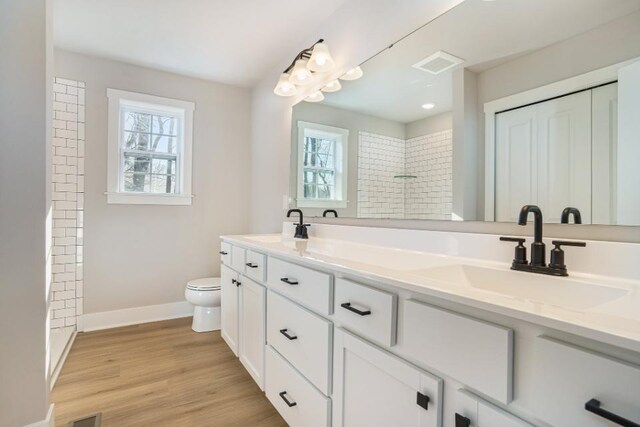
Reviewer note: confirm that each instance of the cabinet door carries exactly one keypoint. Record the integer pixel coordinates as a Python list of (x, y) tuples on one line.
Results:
[(229, 295), (252, 328), (375, 388)]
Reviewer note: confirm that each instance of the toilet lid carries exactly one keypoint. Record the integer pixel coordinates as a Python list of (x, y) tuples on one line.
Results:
[(206, 284)]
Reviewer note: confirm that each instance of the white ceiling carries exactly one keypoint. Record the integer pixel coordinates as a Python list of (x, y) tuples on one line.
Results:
[(229, 41), (484, 34)]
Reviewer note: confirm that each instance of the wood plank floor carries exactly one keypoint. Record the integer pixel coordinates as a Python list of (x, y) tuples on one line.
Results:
[(159, 374)]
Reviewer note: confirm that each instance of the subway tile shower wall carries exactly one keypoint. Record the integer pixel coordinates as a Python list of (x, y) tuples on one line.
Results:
[(68, 202), (424, 162), (429, 159), (380, 158)]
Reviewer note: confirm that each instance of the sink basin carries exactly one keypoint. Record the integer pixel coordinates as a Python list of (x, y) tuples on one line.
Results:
[(266, 238), (557, 291)]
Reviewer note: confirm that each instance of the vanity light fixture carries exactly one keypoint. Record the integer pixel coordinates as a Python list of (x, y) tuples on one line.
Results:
[(352, 74), (315, 97), (321, 59), (315, 59), (428, 106), (300, 74), (284, 86), (333, 86)]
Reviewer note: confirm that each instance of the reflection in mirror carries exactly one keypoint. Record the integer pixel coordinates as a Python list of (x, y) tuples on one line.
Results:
[(489, 107)]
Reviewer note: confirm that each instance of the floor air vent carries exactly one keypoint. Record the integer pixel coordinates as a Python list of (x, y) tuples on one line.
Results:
[(438, 62), (90, 421)]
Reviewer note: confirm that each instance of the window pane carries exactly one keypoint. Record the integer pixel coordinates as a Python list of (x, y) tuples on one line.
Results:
[(163, 183), (309, 177), (138, 122), (326, 177), (324, 161), (324, 192), (325, 147), (164, 125), (136, 182), (136, 163), (309, 191), (136, 141), (163, 144), (163, 166)]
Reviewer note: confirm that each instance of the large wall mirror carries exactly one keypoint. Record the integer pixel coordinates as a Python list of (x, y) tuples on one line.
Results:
[(491, 106)]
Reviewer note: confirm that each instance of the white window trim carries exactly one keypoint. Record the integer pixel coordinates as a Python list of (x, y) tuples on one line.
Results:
[(343, 171), (114, 195)]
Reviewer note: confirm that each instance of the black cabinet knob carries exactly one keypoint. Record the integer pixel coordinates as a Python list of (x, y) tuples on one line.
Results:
[(462, 421)]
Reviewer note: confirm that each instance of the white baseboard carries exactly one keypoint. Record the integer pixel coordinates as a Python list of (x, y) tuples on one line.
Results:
[(135, 315), (56, 370), (50, 421)]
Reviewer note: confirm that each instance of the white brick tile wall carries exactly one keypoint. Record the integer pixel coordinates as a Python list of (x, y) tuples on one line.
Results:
[(427, 157), (68, 199)]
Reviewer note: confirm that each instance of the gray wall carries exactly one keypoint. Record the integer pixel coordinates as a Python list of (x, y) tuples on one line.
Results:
[(137, 255), (429, 125), (354, 122), (25, 120)]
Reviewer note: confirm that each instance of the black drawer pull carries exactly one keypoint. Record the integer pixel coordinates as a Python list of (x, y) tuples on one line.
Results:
[(224, 253), (349, 307), (289, 282), (233, 281), (291, 337), (289, 403), (462, 421), (594, 406), (422, 401), (238, 283), (251, 265)]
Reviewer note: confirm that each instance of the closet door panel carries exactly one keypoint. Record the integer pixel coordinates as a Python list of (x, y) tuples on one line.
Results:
[(516, 162), (564, 155)]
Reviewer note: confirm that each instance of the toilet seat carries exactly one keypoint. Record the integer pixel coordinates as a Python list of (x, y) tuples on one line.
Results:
[(206, 284)]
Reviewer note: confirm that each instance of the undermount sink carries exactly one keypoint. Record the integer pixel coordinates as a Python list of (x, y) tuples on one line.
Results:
[(561, 292), (267, 238)]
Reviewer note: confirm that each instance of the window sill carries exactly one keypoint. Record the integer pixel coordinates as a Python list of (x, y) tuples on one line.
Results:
[(148, 199), (304, 203)]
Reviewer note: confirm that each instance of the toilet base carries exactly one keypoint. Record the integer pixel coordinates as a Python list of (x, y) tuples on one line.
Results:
[(205, 319)]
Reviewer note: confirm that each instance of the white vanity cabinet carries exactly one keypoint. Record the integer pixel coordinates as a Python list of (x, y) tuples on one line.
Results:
[(244, 318), (229, 306), (375, 388), (472, 411), (253, 305)]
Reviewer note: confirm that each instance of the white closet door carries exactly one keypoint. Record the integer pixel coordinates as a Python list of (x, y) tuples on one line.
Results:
[(229, 290), (604, 128), (564, 155), (516, 162)]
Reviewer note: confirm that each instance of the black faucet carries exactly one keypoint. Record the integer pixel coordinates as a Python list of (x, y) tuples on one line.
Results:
[(537, 247), (301, 228), (538, 263), (328, 211), (577, 218)]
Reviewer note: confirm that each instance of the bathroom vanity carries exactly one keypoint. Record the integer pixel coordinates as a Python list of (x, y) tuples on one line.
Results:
[(431, 329)]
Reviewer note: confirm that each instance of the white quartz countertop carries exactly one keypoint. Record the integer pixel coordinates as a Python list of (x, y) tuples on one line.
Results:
[(602, 308)]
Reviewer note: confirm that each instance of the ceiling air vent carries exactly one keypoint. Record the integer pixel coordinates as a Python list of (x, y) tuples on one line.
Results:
[(438, 62)]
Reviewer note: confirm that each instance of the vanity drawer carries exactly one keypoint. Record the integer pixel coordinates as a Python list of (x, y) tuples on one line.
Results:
[(308, 287), (476, 353), (299, 403), (238, 256), (567, 377), (256, 266), (473, 411), (370, 312), (225, 253), (308, 344)]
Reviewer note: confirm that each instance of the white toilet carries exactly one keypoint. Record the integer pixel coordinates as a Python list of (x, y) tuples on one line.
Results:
[(204, 294)]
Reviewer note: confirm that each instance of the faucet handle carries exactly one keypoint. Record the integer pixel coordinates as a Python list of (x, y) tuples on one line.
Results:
[(520, 256), (559, 243), (557, 255)]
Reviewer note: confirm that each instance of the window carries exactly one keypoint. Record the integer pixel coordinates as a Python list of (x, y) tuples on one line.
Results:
[(322, 166), (149, 159)]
